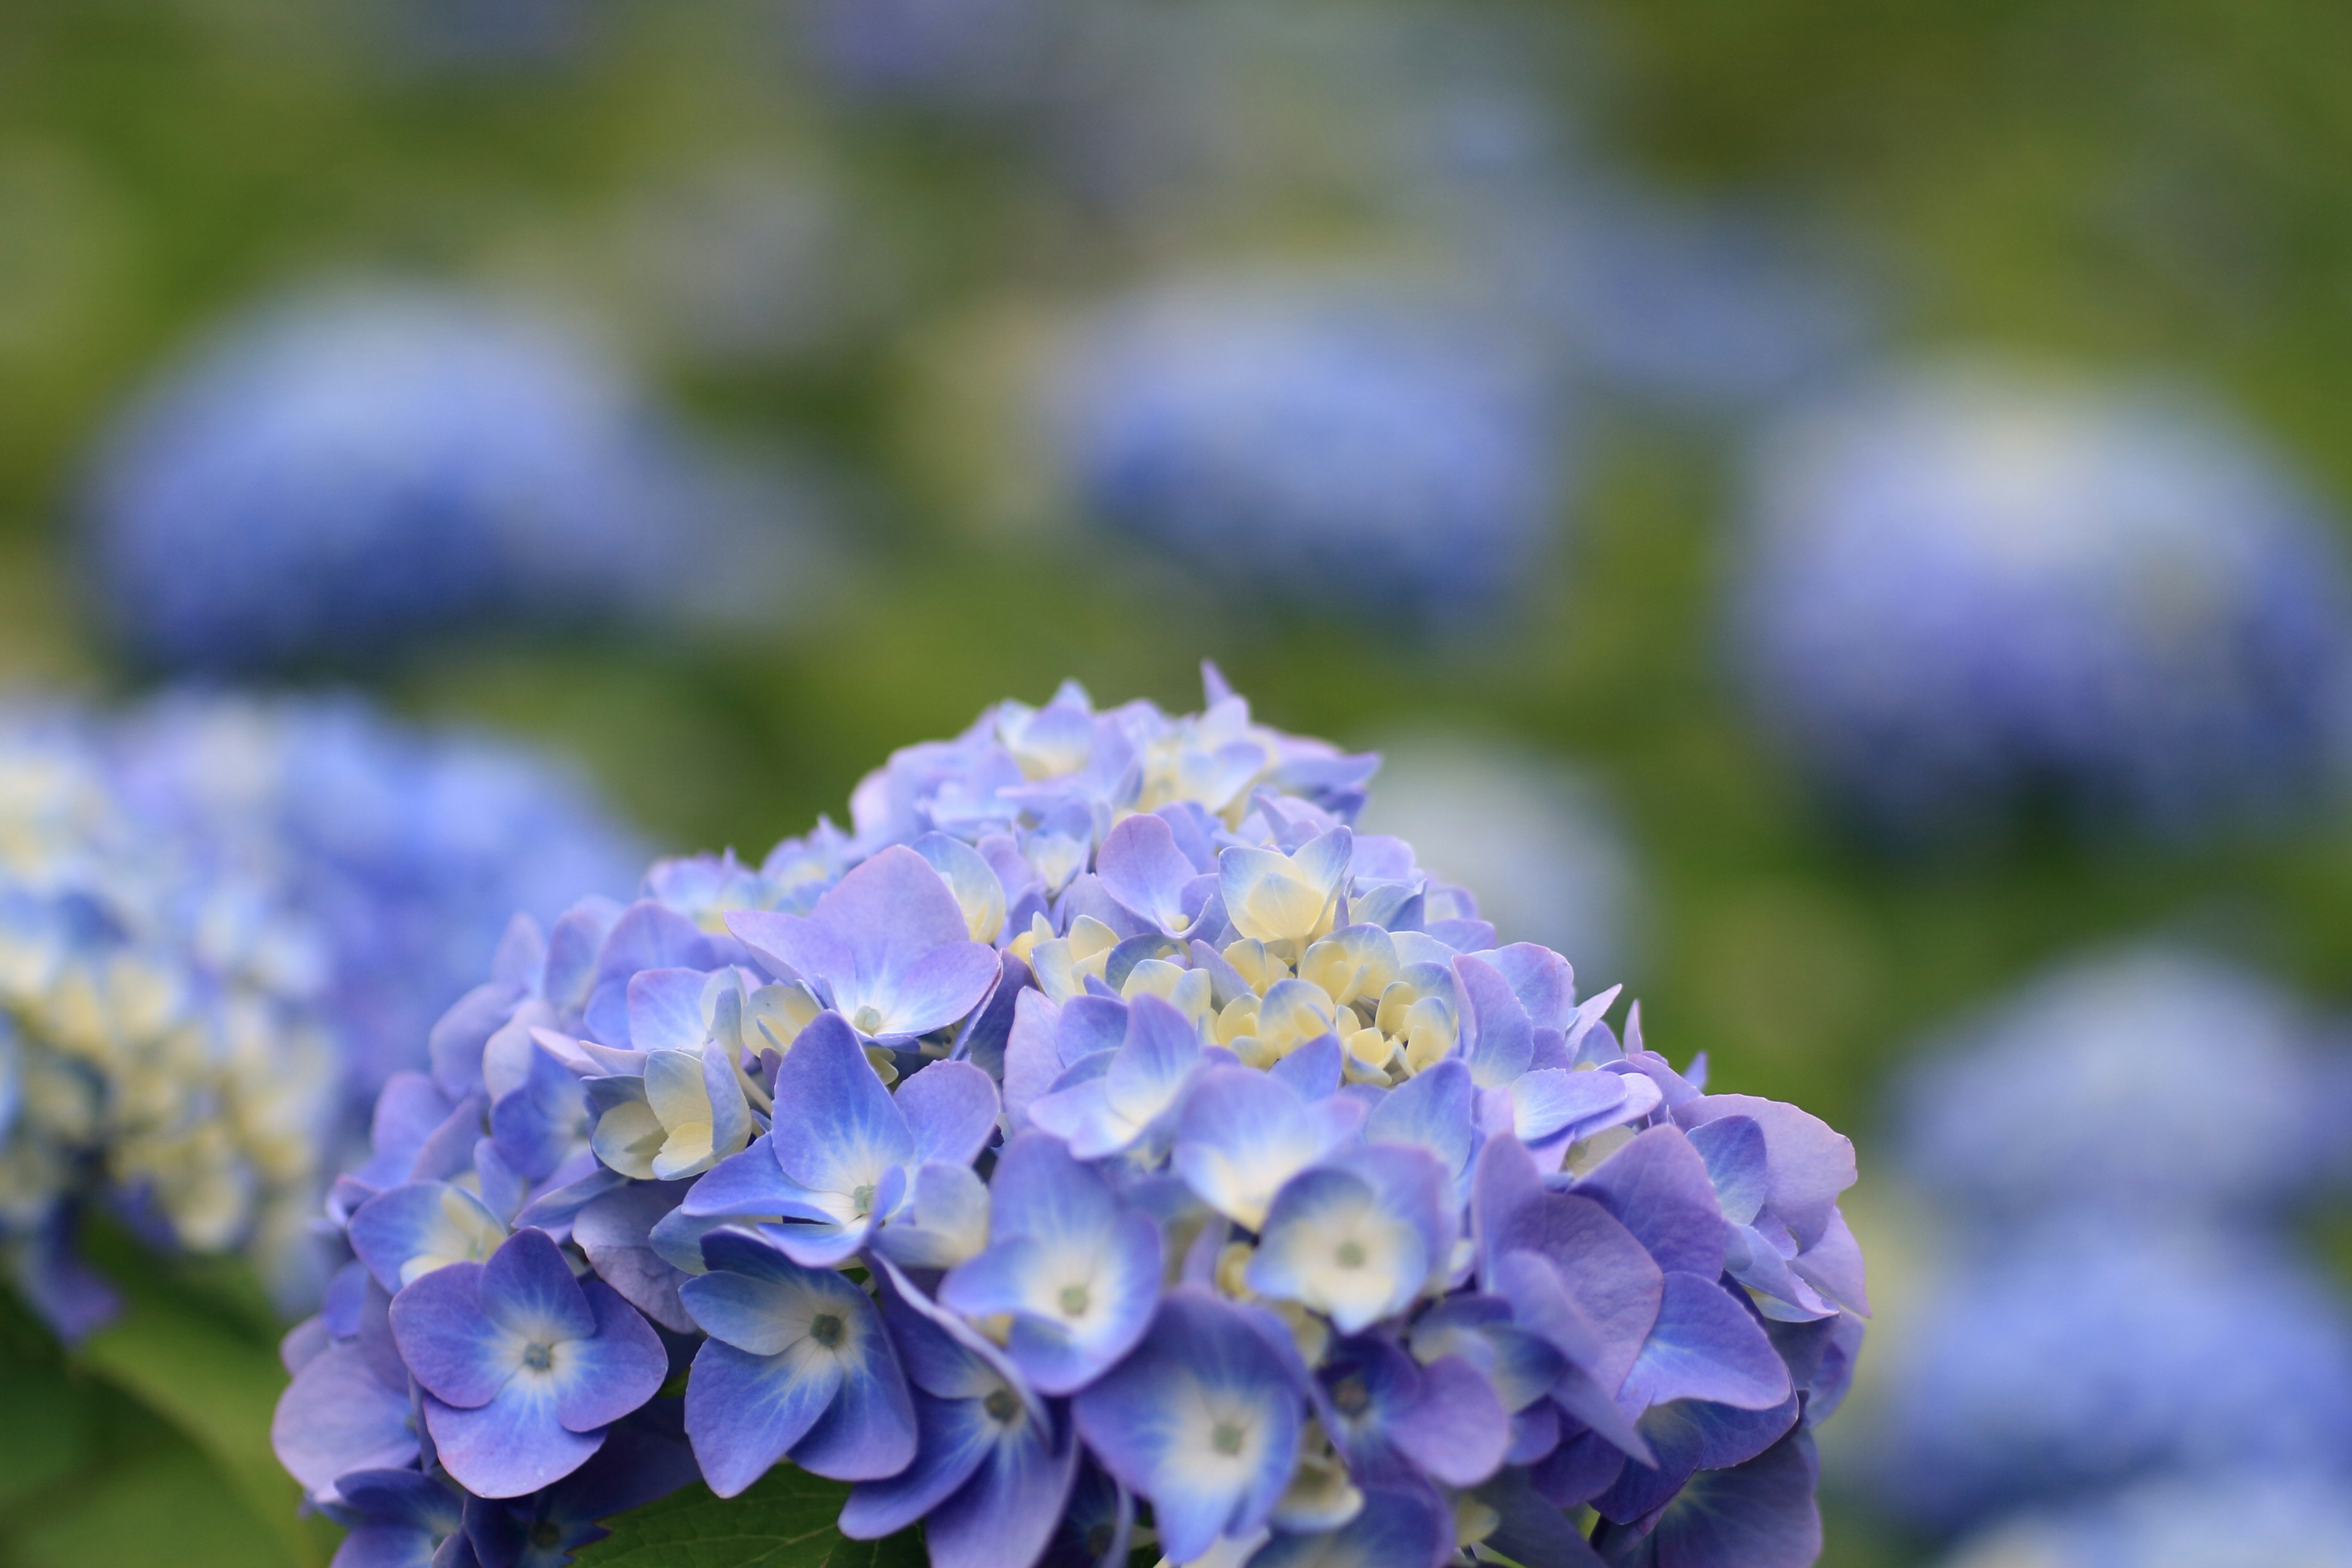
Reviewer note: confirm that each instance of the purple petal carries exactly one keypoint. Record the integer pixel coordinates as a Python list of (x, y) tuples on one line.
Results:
[(1457, 1429), (419, 1219), (1705, 1346), (1005, 1516), (869, 1432), (527, 1288), (1609, 1274), (792, 946), (1733, 1147), (603, 1377), (1140, 867), (1204, 1358), (616, 1233), (1658, 1188), (1429, 1110), (1641, 1488), (1761, 1515), (938, 989), (835, 1125), (1808, 1164), (1498, 1039), (1393, 1530), (951, 1110), (512, 1445), (665, 1010), (337, 1417), (746, 1184), (955, 1436), (451, 1346), (743, 1412)]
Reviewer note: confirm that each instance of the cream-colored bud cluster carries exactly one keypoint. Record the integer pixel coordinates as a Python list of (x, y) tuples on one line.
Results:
[(157, 1038)]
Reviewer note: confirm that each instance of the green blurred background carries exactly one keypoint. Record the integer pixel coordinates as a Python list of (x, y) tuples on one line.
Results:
[(2137, 184)]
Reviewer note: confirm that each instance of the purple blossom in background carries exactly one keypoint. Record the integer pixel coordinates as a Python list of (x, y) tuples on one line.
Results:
[(1099, 1136), (1965, 589), (348, 475), (2153, 1081), (1322, 446), (411, 848)]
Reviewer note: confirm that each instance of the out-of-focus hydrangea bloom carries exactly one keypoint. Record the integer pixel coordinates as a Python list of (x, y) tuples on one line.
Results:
[(2084, 1356), (2191, 1523), (342, 476), (410, 849), (1675, 303), (2150, 1081), (161, 1055), (1541, 843), (1969, 589), (1099, 1137), (1353, 450)]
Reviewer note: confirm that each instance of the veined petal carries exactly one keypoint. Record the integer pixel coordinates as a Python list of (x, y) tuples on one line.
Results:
[(1242, 1136), (1203, 1419), (408, 1231)]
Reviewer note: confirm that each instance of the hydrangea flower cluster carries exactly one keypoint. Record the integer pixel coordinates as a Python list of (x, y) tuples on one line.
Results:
[(161, 1052), (2084, 1357), (1389, 453), (2193, 1088), (1099, 1144), (1967, 590), (2111, 1301), (2206, 1522), (339, 476), (409, 848)]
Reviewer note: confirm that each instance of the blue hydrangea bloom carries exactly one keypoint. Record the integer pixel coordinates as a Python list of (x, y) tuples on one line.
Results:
[(410, 849), (2150, 1082), (1968, 589), (1355, 450), (162, 1053), (342, 476), (1100, 1134), (1675, 303), (2190, 1521), (2082, 1357)]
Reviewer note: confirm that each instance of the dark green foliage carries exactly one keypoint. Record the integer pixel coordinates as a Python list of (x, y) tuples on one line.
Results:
[(784, 1521)]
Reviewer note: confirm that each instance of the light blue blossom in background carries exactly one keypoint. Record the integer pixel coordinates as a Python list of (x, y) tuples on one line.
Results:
[(2152, 1082), (162, 1053), (2194, 1522), (1967, 588), (1100, 1135), (1357, 451), (2077, 1359), (342, 476), (410, 848)]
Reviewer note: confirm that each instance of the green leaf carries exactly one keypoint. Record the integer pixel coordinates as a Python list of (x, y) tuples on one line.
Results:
[(785, 1522), (167, 1509), (218, 1387)]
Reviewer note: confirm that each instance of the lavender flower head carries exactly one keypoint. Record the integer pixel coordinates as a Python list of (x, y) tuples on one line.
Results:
[(1398, 458), (410, 849), (161, 1053), (1967, 590), (2195, 1521), (2082, 1357), (2151, 1082), (341, 476), (1098, 1143)]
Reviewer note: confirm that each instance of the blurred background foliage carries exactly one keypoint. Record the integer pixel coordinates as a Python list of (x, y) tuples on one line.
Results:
[(2141, 185)]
